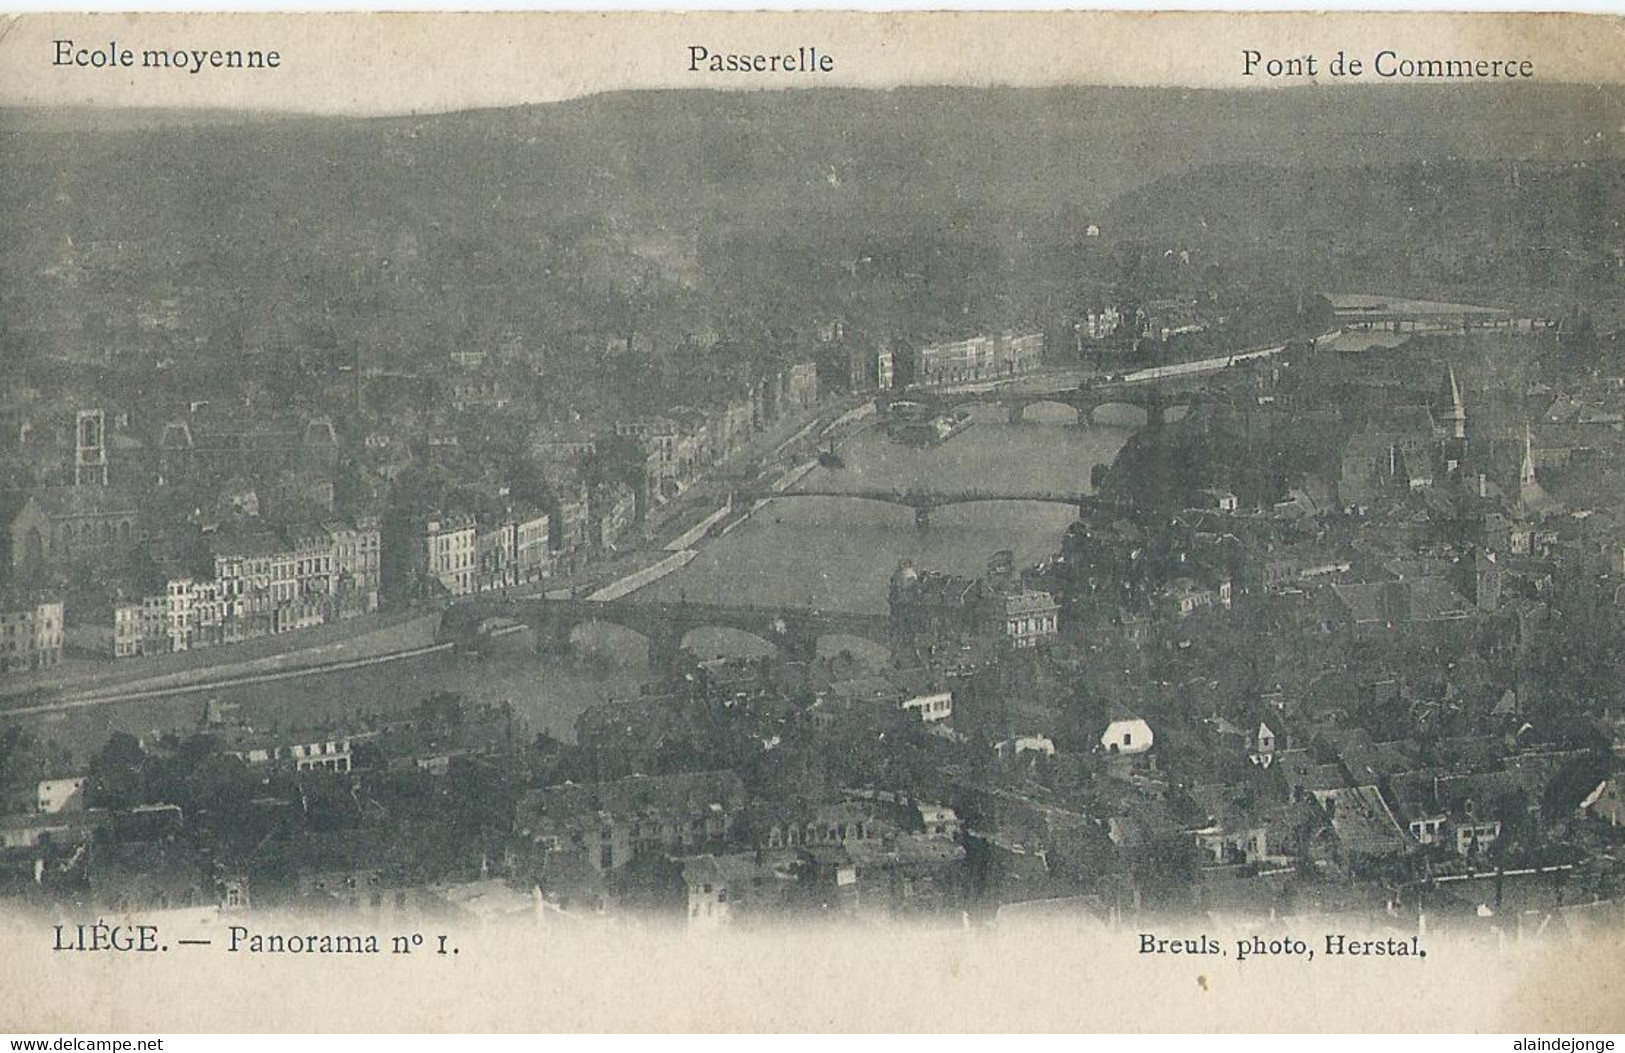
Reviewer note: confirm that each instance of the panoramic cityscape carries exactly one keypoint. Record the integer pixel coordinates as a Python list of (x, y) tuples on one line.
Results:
[(717, 510)]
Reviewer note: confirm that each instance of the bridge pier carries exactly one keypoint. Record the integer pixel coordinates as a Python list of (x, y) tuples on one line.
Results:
[(798, 642), (1156, 411), (665, 651), (553, 636)]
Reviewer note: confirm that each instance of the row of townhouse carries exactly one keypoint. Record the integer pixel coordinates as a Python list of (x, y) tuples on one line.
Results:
[(30, 631), (855, 367), (314, 751), (668, 449), (259, 584), (450, 551), (463, 554), (512, 548), (982, 357), (680, 445), (572, 530), (612, 510)]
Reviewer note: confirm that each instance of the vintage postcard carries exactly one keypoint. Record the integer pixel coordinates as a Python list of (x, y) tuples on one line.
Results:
[(812, 522)]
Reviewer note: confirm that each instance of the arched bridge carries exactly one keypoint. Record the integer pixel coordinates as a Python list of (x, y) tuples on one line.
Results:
[(794, 631), (1155, 390), (1154, 399), (925, 501)]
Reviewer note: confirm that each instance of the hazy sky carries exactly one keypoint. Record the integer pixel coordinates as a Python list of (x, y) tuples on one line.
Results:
[(371, 64)]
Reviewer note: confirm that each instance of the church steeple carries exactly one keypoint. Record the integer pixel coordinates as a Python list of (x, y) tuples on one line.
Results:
[(1452, 410), (1532, 497)]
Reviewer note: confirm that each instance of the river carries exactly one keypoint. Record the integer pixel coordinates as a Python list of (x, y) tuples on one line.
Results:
[(826, 552), (839, 554)]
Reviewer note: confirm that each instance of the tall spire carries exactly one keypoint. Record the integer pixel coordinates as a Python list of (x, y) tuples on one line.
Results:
[(1453, 411), (1532, 497)]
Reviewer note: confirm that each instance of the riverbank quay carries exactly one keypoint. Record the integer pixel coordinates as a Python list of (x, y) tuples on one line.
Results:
[(221, 679), (404, 634), (354, 638)]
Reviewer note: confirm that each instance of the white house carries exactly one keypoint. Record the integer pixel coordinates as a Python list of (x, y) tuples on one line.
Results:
[(61, 795), (931, 706), (1263, 745), (938, 819), (1041, 745), (1126, 733), (1607, 801)]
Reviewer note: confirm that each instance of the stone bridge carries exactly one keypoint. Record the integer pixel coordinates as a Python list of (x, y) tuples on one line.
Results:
[(794, 631), (1154, 399), (1191, 384)]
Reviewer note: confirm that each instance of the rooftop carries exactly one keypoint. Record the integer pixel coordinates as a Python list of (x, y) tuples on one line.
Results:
[(636, 795)]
